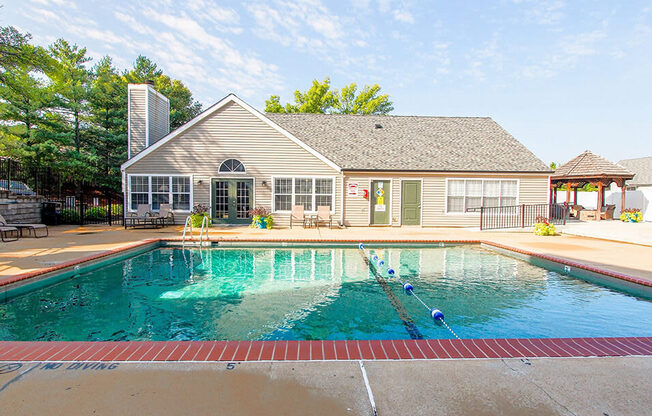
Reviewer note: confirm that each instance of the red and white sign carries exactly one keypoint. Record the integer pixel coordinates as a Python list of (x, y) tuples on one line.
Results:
[(353, 189)]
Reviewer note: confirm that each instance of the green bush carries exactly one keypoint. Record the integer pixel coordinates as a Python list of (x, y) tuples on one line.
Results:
[(116, 209), (198, 218), (95, 214), (70, 216)]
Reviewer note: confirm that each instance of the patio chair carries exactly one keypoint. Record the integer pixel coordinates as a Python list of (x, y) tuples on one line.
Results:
[(31, 228), (608, 213), (142, 216), (298, 215), (324, 216), (164, 213), (5, 233)]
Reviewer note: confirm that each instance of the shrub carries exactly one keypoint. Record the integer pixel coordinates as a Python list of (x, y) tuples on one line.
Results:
[(116, 209), (198, 213), (95, 214), (631, 215), (543, 227), (70, 216)]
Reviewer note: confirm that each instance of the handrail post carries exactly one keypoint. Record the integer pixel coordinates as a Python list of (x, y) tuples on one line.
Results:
[(481, 213), (522, 215)]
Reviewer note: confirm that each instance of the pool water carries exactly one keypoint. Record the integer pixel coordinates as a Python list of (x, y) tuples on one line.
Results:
[(321, 292)]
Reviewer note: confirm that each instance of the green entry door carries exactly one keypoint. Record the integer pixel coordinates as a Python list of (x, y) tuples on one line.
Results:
[(411, 203), (232, 200), (380, 194)]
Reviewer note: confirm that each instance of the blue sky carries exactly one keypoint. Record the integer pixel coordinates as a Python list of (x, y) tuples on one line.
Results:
[(561, 76)]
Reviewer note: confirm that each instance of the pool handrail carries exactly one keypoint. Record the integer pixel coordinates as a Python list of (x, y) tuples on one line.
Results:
[(204, 225), (185, 228)]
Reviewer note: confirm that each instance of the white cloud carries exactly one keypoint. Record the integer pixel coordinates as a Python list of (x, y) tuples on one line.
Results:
[(568, 53), (403, 16)]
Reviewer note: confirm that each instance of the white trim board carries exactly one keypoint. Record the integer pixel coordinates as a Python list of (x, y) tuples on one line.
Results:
[(226, 100)]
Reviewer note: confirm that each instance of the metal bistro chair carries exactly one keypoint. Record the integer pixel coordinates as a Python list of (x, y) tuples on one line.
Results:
[(298, 215)]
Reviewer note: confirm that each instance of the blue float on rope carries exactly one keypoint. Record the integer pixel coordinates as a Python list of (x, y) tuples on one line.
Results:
[(436, 314), (374, 257), (390, 272), (381, 263), (361, 246), (408, 288)]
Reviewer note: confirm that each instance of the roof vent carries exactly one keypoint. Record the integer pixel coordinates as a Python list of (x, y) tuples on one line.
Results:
[(379, 126)]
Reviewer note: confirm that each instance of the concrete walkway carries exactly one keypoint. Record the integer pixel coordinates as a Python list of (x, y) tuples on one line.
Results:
[(72, 242), (596, 386), (625, 232)]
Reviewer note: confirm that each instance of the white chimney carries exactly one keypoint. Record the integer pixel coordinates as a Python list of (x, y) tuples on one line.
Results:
[(148, 117)]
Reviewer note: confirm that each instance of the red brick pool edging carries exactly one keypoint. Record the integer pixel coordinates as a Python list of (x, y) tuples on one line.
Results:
[(235, 351)]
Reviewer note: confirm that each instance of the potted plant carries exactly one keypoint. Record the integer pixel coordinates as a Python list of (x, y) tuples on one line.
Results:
[(631, 215), (543, 226), (261, 218), (198, 213)]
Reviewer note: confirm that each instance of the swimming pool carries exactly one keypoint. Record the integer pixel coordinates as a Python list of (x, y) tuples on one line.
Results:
[(319, 292)]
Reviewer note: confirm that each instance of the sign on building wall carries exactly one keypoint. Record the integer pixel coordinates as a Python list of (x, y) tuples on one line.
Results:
[(353, 189)]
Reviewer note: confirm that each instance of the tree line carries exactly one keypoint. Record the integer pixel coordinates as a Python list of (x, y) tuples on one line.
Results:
[(61, 111)]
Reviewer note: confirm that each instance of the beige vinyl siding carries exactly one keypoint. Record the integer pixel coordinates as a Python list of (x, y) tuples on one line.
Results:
[(159, 117), (533, 189), (137, 121), (233, 132)]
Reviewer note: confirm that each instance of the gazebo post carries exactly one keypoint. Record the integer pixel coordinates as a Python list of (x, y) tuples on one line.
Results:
[(568, 186), (575, 195), (599, 210)]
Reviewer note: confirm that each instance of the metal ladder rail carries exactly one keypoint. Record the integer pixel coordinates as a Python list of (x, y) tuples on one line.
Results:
[(204, 225), (185, 228)]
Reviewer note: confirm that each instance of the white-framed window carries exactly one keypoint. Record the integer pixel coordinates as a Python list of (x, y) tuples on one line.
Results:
[(232, 166), (160, 189), (311, 192), (465, 194)]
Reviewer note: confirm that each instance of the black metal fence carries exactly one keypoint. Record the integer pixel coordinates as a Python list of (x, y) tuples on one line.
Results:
[(65, 202), (521, 216), (19, 179), (86, 209)]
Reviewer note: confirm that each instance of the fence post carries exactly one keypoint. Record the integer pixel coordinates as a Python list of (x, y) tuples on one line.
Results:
[(481, 212), (81, 209), (109, 212), (522, 215)]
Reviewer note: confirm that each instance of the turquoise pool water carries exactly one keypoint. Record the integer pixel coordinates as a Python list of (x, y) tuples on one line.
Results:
[(172, 293)]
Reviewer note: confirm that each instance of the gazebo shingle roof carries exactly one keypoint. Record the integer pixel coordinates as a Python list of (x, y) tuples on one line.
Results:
[(590, 165), (416, 143)]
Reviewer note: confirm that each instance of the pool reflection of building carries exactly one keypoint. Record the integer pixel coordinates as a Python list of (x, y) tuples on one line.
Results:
[(271, 290)]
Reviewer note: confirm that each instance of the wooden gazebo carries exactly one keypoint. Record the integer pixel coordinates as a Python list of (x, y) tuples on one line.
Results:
[(589, 168)]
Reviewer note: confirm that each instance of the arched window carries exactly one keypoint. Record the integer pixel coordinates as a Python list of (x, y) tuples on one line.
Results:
[(232, 165)]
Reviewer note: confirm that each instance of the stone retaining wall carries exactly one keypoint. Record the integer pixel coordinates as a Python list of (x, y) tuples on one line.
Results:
[(21, 209)]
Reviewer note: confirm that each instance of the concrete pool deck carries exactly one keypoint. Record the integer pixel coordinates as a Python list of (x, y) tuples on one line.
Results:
[(539, 386)]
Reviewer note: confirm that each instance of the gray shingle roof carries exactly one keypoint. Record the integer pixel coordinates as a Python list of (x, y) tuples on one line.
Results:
[(411, 142), (642, 168), (590, 165)]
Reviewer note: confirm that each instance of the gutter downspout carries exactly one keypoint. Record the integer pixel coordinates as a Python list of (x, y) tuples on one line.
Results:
[(342, 201)]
